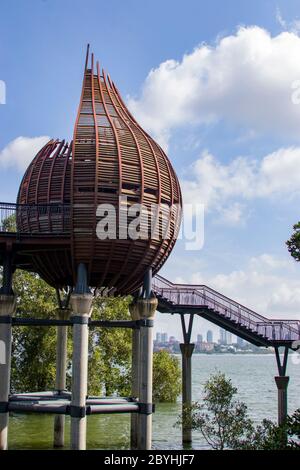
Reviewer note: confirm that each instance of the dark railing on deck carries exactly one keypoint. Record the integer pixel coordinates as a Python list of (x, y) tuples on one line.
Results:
[(35, 219)]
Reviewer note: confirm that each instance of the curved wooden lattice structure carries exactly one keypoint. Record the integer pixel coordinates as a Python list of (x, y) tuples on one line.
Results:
[(111, 160)]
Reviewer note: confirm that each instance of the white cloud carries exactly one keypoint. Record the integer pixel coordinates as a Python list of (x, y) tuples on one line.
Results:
[(293, 26), (244, 78), (268, 284), (234, 214), (20, 151), (226, 188)]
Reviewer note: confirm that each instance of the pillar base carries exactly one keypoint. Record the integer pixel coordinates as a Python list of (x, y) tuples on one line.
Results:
[(61, 366), (59, 431), (282, 385)]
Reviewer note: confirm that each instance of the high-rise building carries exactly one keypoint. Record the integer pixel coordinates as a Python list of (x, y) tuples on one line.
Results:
[(199, 338), (228, 337), (222, 336), (158, 337), (209, 336), (225, 337), (240, 342), (164, 337)]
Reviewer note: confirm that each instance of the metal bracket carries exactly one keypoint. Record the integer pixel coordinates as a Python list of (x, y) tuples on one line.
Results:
[(145, 322), (187, 332), (6, 319), (79, 320), (64, 302), (3, 406), (78, 411), (146, 408), (282, 366)]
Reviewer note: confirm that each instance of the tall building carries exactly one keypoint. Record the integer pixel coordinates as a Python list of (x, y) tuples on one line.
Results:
[(228, 337), (158, 337), (222, 336), (209, 336), (225, 337), (240, 341), (199, 338), (164, 337)]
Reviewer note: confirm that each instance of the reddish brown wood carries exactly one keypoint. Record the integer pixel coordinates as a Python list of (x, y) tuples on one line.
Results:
[(110, 156)]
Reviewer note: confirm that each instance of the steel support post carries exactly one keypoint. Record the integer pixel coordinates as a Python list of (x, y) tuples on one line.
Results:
[(7, 309), (282, 381), (186, 355), (134, 431), (143, 309), (187, 349), (61, 367), (282, 386), (81, 304)]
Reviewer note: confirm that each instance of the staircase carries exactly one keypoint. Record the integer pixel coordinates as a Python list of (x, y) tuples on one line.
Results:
[(224, 312)]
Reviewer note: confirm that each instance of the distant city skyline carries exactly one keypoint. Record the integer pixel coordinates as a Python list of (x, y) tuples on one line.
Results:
[(225, 337), (204, 344)]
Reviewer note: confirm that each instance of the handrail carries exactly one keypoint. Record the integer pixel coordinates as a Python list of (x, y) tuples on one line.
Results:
[(34, 218), (185, 295), (209, 289)]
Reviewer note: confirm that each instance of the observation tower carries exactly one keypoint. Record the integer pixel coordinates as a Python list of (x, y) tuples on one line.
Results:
[(98, 215)]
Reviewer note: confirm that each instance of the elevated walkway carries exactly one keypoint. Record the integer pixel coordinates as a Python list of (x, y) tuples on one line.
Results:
[(225, 313)]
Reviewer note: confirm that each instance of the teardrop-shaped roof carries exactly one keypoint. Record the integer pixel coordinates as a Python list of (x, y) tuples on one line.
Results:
[(111, 157)]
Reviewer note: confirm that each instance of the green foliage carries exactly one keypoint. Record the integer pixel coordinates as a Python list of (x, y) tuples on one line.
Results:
[(110, 349), (9, 224), (293, 243), (166, 377), (222, 420), (33, 359), (266, 436)]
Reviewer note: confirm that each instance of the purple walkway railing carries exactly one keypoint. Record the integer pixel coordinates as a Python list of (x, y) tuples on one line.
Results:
[(183, 295)]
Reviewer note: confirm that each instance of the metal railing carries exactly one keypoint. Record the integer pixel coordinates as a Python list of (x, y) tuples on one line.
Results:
[(183, 295), (35, 218)]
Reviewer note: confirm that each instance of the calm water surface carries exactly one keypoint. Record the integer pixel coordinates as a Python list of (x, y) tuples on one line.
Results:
[(253, 375)]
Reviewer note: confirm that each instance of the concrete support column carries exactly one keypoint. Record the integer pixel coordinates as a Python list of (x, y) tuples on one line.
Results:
[(134, 431), (186, 355), (7, 309), (61, 368), (81, 310), (282, 385), (144, 309)]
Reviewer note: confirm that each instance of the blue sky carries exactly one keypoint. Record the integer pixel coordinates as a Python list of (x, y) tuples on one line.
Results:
[(234, 141)]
